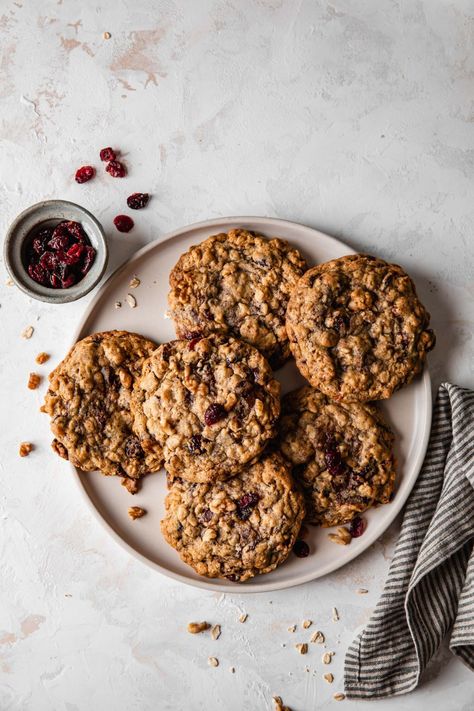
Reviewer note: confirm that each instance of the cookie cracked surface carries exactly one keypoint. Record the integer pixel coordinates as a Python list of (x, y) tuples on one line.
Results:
[(89, 403), (341, 454), (237, 284), (237, 528), (357, 329), (210, 404)]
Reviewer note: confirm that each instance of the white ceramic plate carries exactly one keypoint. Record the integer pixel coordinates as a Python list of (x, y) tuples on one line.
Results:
[(409, 413)]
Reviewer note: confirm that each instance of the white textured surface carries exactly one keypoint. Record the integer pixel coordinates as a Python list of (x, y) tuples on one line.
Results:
[(354, 117)]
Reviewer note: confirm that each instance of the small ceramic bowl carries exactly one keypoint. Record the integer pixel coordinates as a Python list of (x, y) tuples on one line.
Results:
[(50, 213)]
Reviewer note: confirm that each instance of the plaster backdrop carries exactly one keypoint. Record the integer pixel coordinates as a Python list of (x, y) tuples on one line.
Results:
[(352, 116)]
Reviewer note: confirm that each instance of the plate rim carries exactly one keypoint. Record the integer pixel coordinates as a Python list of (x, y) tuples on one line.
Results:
[(207, 584)]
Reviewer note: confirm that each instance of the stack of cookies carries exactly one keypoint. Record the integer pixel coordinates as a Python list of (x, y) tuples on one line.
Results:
[(243, 469)]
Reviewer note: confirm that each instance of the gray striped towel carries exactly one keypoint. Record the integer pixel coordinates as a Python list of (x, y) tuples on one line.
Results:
[(429, 592)]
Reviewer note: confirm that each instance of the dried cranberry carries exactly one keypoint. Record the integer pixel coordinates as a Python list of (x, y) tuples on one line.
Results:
[(41, 239), (206, 515), (75, 229), (133, 448), (233, 578), (193, 342), (301, 549), (334, 463), (84, 174), (60, 238), (116, 169), (49, 261), (191, 335), (123, 223), (37, 273), (68, 281), (107, 154), (245, 505), (88, 260), (195, 444), (137, 200), (55, 281), (214, 413), (75, 252), (357, 527)]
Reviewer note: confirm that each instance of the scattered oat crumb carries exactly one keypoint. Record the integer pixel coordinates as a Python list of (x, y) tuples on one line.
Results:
[(292, 628), (327, 657), (136, 512), (197, 627), (306, 669), (167, 315), (339, 696), (33, 381), (335, 614), (317, 637), (67, 595), (106, 35), (130, 484), (243, 617), (279, 705), (118, 305), (342, 536), (329, 678), (10, 282), (27, 332), (134, 282), (42, 358), (307, 623), (302, 648), (131, 301), (213, 662), (232, 670), (25, 449), (361, 591), (216, 632)]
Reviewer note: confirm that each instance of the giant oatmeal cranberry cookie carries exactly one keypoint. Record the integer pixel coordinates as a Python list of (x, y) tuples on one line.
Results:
[(357, 329), (236, 528), (89, 403), (341, 454), (237, 284), (211, 404)]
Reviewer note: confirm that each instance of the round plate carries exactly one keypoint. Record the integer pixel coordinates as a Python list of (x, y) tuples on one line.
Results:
[(408, 412)]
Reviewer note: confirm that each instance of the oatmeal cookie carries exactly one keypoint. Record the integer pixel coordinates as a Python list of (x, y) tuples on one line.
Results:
[(237, 284), (237, 528), (210, 403), (89, 403), (341, 454), (357, 329)]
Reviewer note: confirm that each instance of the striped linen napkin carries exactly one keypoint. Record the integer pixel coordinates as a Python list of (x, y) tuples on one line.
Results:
[(429, 592)]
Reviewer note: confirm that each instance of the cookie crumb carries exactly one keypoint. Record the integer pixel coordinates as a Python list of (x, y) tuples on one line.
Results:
[(118, 305), (302, 648), (317, 637), (197, 627), (307, 623), (339, 696), (279, 705), (213, 662), (328, 677), (327, 657), (243, 617), (361, 591), (130, 484), (216, 632), (342, 536), (33, 381), (134, 282), (232, 670), (27, 332), (106, 35), (59, 448), (131, 301), (42, 358), (292, 628), (136, 512), (25, 449), (10, 282), (335, 615)]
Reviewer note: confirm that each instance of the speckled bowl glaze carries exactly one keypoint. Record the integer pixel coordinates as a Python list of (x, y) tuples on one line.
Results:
[(51, 212)]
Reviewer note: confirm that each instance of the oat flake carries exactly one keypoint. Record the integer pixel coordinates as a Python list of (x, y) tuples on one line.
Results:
[(131, 301), (27, 332)]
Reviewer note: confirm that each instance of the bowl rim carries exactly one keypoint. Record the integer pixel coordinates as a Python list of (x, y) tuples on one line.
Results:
[(56, 296)]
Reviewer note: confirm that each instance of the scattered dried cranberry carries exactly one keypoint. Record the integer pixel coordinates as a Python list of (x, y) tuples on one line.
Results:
[(357, 527), (214, 413), (301, 549), (246, 504), (138, 200), (195, 444), (116, 169), (123, 223), (84, 174), (107, 154), (334, 463)]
